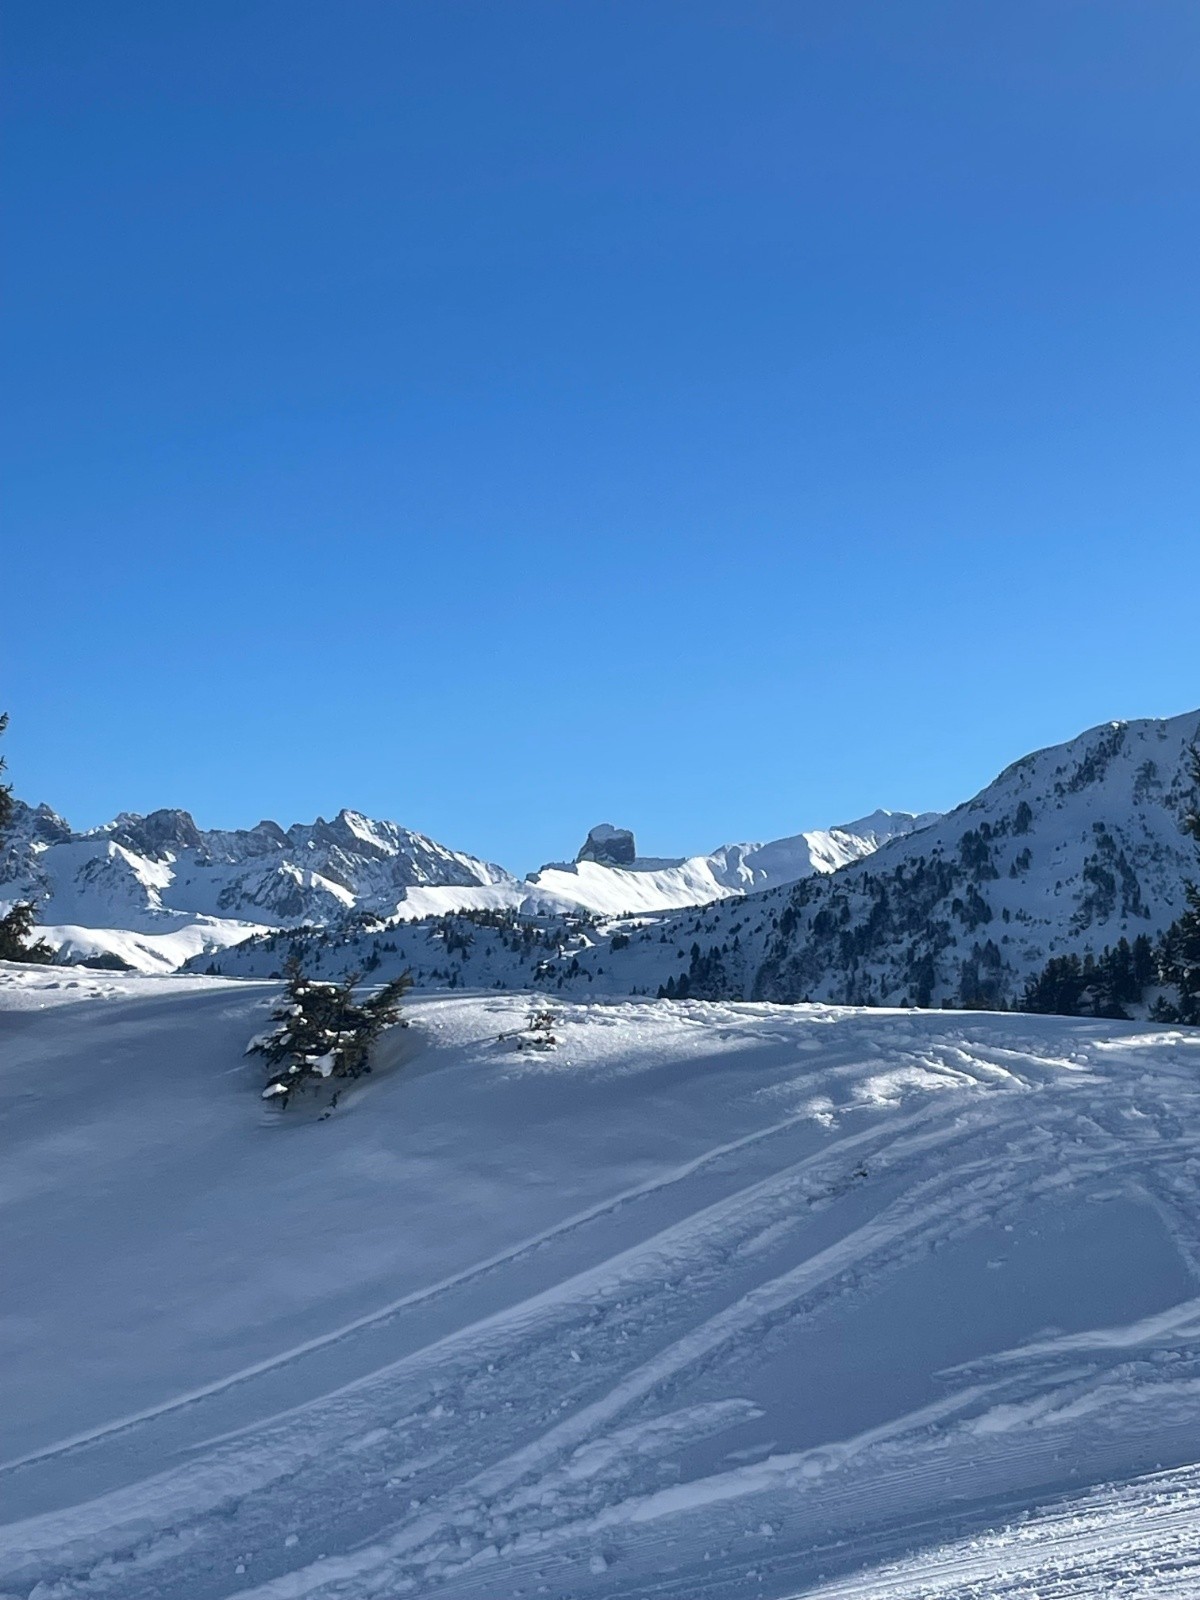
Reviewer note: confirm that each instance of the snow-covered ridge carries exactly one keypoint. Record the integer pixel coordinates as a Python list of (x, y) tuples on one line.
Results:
[(620, 884), (155, 891), (1071, 848)]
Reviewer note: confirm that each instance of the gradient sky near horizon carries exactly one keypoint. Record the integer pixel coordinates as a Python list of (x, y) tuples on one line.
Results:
[(717, 419)]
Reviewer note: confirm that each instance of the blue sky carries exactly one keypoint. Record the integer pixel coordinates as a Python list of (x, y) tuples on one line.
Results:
[(719, 419)]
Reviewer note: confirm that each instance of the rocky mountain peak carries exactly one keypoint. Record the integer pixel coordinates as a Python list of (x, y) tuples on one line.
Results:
[(611, 847), (157, 835)]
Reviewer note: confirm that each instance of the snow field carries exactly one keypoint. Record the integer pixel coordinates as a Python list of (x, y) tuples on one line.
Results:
[(714, 1300)]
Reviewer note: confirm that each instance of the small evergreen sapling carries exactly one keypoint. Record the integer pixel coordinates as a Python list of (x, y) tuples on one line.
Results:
[(6, 799), (323, 1030), (538, 1033)]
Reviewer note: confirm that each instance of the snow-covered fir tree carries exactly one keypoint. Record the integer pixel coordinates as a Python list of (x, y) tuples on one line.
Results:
[(323, 1031)]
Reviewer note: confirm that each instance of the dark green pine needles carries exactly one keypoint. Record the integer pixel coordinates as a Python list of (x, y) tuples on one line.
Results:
[(324, 1031)]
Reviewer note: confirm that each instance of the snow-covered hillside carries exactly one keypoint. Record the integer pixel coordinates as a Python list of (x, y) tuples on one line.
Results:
[(152, 892), (714, 1301), (612, 887), (1070, 849)]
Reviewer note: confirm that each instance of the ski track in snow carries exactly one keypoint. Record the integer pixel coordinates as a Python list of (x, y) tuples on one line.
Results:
[(640, 1397), (1142, 1540)]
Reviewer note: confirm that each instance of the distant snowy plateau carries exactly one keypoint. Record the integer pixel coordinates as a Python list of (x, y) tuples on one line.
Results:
[(715, 1300)]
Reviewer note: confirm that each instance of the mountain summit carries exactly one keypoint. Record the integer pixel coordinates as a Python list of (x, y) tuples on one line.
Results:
[(612, 847)]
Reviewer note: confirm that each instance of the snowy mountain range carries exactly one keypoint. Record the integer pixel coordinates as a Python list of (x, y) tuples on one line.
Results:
[(1069, 850), (153, 891)]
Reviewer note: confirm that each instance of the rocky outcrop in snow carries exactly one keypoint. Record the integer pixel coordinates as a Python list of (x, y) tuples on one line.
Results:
[(611, 847)]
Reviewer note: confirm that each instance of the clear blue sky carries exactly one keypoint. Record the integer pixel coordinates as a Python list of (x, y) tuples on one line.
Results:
[(719, 419)]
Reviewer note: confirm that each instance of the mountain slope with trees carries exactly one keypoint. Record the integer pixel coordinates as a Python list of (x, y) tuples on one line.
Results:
[(1070, 851)]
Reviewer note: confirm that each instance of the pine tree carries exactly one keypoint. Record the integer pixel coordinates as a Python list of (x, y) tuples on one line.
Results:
[(1181, 944), (15, 928), (17, 924), (324, 1031)]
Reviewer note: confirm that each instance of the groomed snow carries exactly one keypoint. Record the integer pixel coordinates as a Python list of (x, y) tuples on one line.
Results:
[(711, 1301)]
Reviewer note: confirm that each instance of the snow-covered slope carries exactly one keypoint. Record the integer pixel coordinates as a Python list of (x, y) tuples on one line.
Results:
[(715, 1301), (613, 889), (1070, 849)]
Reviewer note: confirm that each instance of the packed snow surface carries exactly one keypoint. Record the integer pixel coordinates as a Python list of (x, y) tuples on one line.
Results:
[(710, 1301)]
